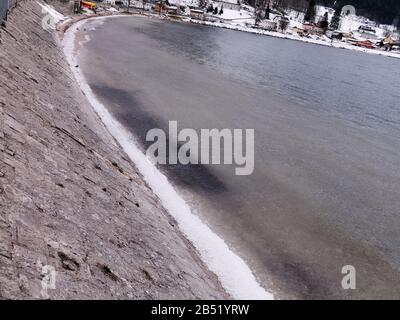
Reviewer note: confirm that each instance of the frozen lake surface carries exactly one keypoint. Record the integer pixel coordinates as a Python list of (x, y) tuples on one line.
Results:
[(326, 187)]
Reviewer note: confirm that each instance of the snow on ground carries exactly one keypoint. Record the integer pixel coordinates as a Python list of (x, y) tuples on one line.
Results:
[(54, 15), (191, 3), (314, 40), (351, 23), (236, 17)]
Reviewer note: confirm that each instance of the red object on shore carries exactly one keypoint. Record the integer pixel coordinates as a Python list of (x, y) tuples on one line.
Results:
[(365, 44)]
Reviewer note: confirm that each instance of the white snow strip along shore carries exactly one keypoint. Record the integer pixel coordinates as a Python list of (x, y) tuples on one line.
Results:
[(235, 276), (334, 44)]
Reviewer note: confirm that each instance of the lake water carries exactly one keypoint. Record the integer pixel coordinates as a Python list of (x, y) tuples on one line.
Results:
[(325, 191)]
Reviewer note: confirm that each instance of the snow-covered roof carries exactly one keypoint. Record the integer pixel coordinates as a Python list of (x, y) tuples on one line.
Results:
[(193, 3), (227, 1)]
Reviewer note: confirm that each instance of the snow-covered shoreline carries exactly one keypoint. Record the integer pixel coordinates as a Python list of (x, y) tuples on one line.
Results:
[(334, 44), (240, 27)]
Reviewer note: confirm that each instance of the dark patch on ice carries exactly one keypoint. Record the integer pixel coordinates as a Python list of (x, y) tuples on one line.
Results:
[(127, 109)]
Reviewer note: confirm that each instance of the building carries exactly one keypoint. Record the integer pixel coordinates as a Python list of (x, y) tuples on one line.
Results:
[(298, 30), (390, 43), (229, 4), (310, 28), (366, 29), (268, 25), (197, 14), (282, 23), (172, 10)]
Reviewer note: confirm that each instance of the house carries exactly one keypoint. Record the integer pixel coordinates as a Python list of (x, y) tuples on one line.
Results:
[(299, 31), (268, 25), (172, 9), (337, 36), (162, 7), (311, 28), (367, 32), (368, 36), (366, 29), (228, 4), (390, 42), (346, 34), (158, 7), (197, 14), (282, 23), (89, 5)]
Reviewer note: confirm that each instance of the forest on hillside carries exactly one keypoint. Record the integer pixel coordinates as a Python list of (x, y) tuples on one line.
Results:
[(381, 11)]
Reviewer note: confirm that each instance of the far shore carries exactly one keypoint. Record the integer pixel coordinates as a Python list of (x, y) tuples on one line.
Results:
[(64, 25)]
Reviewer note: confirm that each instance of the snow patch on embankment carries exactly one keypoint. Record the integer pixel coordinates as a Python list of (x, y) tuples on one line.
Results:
[(53, 15), (235, 276)]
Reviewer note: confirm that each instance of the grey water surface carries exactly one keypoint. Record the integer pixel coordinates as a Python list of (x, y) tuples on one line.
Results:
[(325, 191)]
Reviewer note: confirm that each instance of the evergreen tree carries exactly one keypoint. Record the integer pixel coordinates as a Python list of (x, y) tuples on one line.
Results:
[(267, 12), (202, 3), (222, 10), (336, 19), (324, 21), (215, 10), (311, 12)]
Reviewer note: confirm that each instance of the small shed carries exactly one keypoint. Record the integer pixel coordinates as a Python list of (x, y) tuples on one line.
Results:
[(282, 22), (299, 31), (172, 9), (197, 14), (311, 28), (268, 25), (228, 4)]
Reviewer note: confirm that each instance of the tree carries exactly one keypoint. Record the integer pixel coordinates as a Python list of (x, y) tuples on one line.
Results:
[(336, 19), (221, 11), (202, 3), (311, 12), (267, 12), (324, 21), (259, 7), (215, 10)]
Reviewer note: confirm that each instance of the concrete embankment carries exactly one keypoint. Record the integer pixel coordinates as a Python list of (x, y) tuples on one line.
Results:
[(70, 199)]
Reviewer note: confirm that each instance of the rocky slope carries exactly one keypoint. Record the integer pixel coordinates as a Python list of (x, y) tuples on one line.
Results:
[(70, 200)]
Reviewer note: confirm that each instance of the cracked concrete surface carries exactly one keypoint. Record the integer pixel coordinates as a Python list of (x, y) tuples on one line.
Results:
[(69, 196)]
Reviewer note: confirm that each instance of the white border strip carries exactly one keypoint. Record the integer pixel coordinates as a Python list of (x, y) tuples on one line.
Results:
[(235, 276)]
